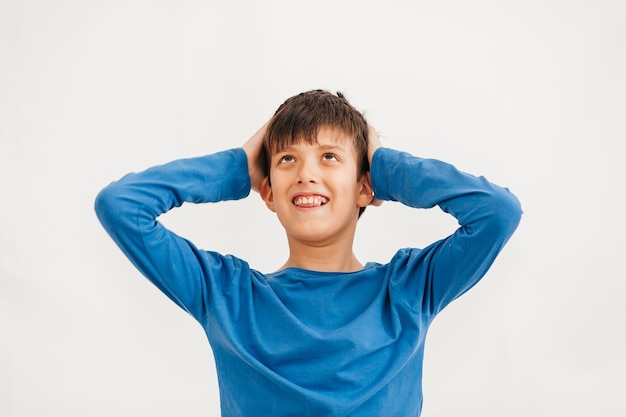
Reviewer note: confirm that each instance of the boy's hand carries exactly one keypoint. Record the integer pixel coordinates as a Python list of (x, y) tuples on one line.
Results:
[(254, 149), (373, 143)]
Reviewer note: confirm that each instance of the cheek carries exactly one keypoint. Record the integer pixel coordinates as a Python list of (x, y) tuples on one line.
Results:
[(351, 187), (279, 196)]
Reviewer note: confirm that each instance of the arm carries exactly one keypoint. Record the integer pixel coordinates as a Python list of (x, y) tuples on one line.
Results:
[(128, 210), (488, 215)]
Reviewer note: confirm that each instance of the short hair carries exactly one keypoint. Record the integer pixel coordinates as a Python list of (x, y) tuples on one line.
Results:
[(300, 118)]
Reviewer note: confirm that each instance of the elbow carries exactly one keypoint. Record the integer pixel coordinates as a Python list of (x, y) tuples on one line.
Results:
[(508, 213), (107, 203)]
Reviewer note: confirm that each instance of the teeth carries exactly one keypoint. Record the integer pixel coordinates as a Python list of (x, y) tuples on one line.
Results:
[(310, 200)]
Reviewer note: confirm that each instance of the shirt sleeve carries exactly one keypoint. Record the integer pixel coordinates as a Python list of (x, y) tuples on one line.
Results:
[(128, 210), (429, 279)]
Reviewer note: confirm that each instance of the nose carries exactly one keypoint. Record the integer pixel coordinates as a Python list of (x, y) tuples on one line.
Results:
[(308, 171)]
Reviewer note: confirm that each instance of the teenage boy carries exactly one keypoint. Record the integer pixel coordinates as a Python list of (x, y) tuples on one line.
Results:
[(324, 335)]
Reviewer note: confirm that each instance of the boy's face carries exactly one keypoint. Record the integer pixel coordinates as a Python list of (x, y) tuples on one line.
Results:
[(314, 188)]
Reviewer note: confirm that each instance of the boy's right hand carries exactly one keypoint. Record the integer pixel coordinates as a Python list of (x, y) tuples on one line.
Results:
[(253, 149)]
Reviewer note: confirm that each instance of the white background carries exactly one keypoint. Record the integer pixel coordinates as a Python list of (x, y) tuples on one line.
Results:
[(531, 94)]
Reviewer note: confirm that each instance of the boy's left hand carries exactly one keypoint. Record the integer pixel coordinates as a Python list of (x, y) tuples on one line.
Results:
[(373, 143)]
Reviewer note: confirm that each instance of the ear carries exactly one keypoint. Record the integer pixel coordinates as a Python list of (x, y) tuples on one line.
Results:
[(366, 194), (266, 193)]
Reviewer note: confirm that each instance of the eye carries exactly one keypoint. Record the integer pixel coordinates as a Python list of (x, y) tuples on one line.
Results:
[(286, 159), (329, 157)]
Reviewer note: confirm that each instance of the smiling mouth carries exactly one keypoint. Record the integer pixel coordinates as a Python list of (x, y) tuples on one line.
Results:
[(310, 201)]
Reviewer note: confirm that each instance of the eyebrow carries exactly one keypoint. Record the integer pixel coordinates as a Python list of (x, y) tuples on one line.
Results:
[(291, 148), (333, 147)]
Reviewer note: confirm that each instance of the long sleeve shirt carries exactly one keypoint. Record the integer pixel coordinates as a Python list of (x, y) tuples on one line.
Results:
[(305, 343)]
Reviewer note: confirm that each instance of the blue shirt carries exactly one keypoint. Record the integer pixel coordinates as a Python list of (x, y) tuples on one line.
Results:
[(306, 343)]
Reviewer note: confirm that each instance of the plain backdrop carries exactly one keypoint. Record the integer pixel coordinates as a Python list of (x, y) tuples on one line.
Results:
[(531, 94)]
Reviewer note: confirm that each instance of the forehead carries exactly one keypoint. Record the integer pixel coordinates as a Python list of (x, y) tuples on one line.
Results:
[(327, 136)]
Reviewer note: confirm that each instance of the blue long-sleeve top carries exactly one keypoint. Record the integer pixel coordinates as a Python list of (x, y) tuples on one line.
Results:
[(306, 343)]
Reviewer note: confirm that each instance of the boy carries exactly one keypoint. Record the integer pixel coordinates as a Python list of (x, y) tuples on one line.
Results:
[(324, 335)]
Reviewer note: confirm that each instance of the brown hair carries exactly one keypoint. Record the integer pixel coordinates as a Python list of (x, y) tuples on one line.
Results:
[(300, 118)]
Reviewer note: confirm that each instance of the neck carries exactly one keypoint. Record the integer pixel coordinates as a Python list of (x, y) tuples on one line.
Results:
[(325, 258)]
